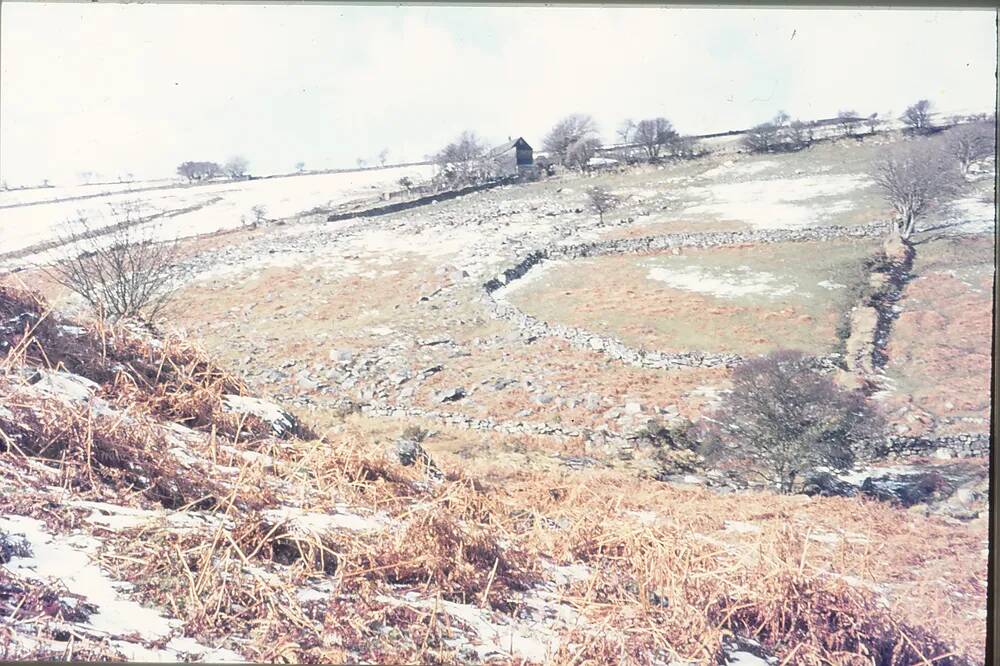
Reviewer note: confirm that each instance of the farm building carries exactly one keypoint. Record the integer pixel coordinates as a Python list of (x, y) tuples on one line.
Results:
[(516, 157)]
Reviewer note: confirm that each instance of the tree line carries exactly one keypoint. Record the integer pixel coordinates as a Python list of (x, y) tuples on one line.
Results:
[(235, 168)]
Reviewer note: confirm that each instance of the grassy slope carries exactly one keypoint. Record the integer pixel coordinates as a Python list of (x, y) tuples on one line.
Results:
[(807, 578)]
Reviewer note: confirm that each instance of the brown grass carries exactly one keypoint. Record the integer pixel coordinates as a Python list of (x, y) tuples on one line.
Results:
[(673, 582)]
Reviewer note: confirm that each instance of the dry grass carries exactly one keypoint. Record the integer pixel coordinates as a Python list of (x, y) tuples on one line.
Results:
[(665, 577)]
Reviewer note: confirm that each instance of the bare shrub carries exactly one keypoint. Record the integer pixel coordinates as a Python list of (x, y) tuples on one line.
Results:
[(121, 271), (601, 201), (971, 142), (686, 147), (796, 136), (913, 177), (761, 138), (783, 419)]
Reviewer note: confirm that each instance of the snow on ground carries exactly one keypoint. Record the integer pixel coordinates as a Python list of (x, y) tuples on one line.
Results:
[(223, 204), (531, 278), (779, 203), (321, 523), (533, 636), (741, 658), (387, 245), (970, 215), (735, 168), (279, 420), (38, 194), (67, 559), (738, 527), (741, 281)]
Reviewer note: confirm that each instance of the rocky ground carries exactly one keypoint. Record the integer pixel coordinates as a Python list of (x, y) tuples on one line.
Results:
[(464, 449)]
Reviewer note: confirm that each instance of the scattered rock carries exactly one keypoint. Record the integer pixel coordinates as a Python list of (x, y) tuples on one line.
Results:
[(282, 423), (450, 395)]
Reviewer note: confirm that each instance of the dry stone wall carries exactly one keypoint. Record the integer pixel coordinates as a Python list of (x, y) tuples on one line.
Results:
[(948, 446), (614, 347)]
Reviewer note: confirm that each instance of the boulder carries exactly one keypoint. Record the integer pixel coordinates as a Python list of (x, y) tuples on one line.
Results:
[(282, 423), (826, 484), (450, 394)]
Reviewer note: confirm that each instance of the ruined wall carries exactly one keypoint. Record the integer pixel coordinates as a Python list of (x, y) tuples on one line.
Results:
[(614, 347)]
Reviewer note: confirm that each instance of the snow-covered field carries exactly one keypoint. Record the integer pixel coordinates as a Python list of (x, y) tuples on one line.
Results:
[(742, 281), (780, 203), (215, 207), (38, 194), (971, 215)]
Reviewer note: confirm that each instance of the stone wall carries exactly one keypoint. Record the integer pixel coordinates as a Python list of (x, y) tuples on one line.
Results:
[(614, 347), (414, 203), (965, 445)]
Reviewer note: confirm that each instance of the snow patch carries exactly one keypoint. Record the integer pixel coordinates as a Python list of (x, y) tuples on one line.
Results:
[(741, 281), (320, 523), (739, 527), (67, 559), (281, 421), (779, 204), (734, 168), (741, 658)]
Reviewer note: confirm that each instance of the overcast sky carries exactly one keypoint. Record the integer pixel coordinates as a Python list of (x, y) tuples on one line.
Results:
[(142, 87)]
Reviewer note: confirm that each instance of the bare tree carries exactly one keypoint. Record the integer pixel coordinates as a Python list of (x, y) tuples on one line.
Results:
[(686, 147), (971, 142), (198, 170), (761, 138), (795, 136), (783, 419), (383, 155), (655, 134), (918, 117), (601, 201), (914, 176), (581, 151), (625, 130), (464, 160), (873, 122), (362, 162), (236, 167), (259, 213), (122, 270), (300, 167), (848, 121), (568, 132), (405, 182)]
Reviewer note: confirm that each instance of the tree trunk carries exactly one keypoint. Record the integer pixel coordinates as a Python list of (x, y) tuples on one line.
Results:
[(894, 231), (908, 225)]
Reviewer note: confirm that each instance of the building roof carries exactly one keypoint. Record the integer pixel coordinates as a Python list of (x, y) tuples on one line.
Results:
[(519, 142)]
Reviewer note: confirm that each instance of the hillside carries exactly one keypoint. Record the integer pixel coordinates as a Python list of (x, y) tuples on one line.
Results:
[(435, 436)]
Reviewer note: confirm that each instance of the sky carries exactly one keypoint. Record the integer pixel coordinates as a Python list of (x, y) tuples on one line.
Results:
[(115, 89)]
